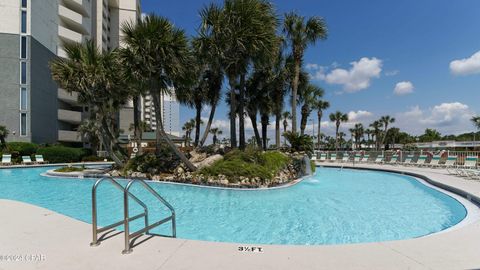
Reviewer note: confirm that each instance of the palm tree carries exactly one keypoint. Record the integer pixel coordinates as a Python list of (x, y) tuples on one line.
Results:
[(256, 87), (215, 132), (385, 120), (94, 75), (188, 127), (279, 85), (476, 121), (285, 116), (3, 135), (242, 31), (376, 125), (300, 34), (162, 49), (308, 96), (320, 106), (368, 132), (357, 133), (338, 117)]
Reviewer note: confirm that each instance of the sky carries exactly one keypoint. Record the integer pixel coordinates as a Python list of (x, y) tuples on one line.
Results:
[(418, 61)]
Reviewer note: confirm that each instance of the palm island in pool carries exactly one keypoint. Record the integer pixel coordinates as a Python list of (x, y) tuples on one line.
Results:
[(239, 134)]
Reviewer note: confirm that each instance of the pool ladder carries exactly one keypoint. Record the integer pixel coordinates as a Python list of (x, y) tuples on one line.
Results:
[(126, 220)]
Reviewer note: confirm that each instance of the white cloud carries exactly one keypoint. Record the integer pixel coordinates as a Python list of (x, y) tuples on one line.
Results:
[(448, 118), (357, 78), (466, 66), (311, 66), (403, 88), (359, 116)]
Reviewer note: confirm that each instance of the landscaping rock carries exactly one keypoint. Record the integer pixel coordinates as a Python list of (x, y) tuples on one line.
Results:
[(208, 161)]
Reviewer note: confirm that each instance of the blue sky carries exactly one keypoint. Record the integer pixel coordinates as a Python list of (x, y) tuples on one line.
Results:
[(426, 50)]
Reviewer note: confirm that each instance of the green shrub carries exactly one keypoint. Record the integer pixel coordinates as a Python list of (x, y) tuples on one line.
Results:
[(166, 162), (313, 166), (92, 158), (70, 169), (22, 148), (300, 142), (62, 154)]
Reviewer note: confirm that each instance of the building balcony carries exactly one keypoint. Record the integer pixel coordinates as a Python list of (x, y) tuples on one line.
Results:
[(72, 117), (68, 35), (80, 6), (72, 19), (69, 136), (70, 98)]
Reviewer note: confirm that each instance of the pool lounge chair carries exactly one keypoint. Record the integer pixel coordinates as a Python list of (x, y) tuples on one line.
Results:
[(408, 160), (450, 164), (470, 162), (26, 160), (365, 158), (6, 160), (379, 159), (421, 161), (346, 157), (468, 169), (333, 158), (357, 157), (323, 157), (435, 162), (39, 159), (393, 159)]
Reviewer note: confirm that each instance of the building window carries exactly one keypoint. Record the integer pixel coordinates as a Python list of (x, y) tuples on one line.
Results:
[(23, 124), (23, 72), (23, 47), (24, 21), (24, 3), (23, 99)]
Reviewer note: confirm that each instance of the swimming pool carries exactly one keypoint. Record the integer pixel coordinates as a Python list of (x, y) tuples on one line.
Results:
[(331, 207)]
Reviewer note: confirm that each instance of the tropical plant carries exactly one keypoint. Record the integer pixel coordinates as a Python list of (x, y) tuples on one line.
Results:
[(368, 132), (3, 135), (386, 120), (476, 121), (215, 132), (308, 96), (300, 33), (286, 116), (242, 32), (164, 58), (430, 135), (338, 117), (320, 106), (94, 75), (376, 126), (299, 142), (357, 133), (188, 127), (91, 130)]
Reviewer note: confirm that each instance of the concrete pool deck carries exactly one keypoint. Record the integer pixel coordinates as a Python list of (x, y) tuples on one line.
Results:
[(61, 242)]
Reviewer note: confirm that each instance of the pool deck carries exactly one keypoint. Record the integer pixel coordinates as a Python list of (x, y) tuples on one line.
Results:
[(63, 243)]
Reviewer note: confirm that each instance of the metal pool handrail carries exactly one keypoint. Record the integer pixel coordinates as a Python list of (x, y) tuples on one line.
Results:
[(127, 219), (97, 230)]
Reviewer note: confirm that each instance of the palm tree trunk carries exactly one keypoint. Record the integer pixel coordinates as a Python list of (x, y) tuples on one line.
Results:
[(294, 94), (384, 137), (233, 113), (198, 121), (253, 119), (137, 133), (161, 135), (278, 117), (208, 126), (241, 113), (264, 120), (303, 121), (319, 115), (336, 137)]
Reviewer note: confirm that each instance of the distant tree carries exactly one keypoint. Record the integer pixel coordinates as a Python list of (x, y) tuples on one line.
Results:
[(476, 121), (188, 128), (386, 120), (338, 117), (308, 96), (215, 132), (320, 106), (376, 126), (430, 135)]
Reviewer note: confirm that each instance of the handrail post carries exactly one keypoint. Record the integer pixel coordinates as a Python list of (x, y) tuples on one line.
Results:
[(127, 249), (94, 242)]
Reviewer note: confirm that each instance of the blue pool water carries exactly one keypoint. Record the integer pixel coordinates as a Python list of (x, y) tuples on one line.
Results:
[(331, 207)]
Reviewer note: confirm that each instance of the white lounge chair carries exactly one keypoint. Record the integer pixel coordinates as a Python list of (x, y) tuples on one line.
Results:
[(357, 157), (6, 160), (393, 159), (39, 159), (323, 157), (365, 158), (421, 161), (450, 164), (435, 162), (26, 160), (379, 159), (408, 160), (345, 157), (333, 157), (470, 162)]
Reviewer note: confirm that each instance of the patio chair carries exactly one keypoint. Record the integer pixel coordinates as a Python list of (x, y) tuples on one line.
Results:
[(26, 160), (450, 164), (435, 162), (408, 160), (470, 162), (357, 157), (6, 160), (365, 158), (345, 158), (393, 160), (421, 161), (379, 159), (39, 159), (333, 157), (323, 157)]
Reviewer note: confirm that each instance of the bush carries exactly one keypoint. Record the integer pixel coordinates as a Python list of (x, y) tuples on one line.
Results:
[(70, 169), (250, 163), (166, 162), (22, 148), (92, 158), (299, 142), (62, 154)]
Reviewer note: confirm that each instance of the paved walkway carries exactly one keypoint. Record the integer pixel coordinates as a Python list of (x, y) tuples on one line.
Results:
[(63, 243)]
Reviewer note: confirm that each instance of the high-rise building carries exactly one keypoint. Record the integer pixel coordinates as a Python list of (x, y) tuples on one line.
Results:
[(170, 113), (32, 33)]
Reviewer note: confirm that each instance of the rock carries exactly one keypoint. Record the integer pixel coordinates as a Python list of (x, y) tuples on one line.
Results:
[(139, 175), (115, 173), (224, 182), (208, 161), (197, 157)]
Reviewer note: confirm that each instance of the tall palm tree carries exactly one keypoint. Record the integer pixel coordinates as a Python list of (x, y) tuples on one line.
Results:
[(285, 116), (188, 127), (300, 33), (162, 49), (376, 126), (368, 132), (338, 117), (320, 106), (385, 120), (476, 121), (215, 132), (308, 96), (3, 135), (357, 133), (243, 31), (94, 75), (279, 85)]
